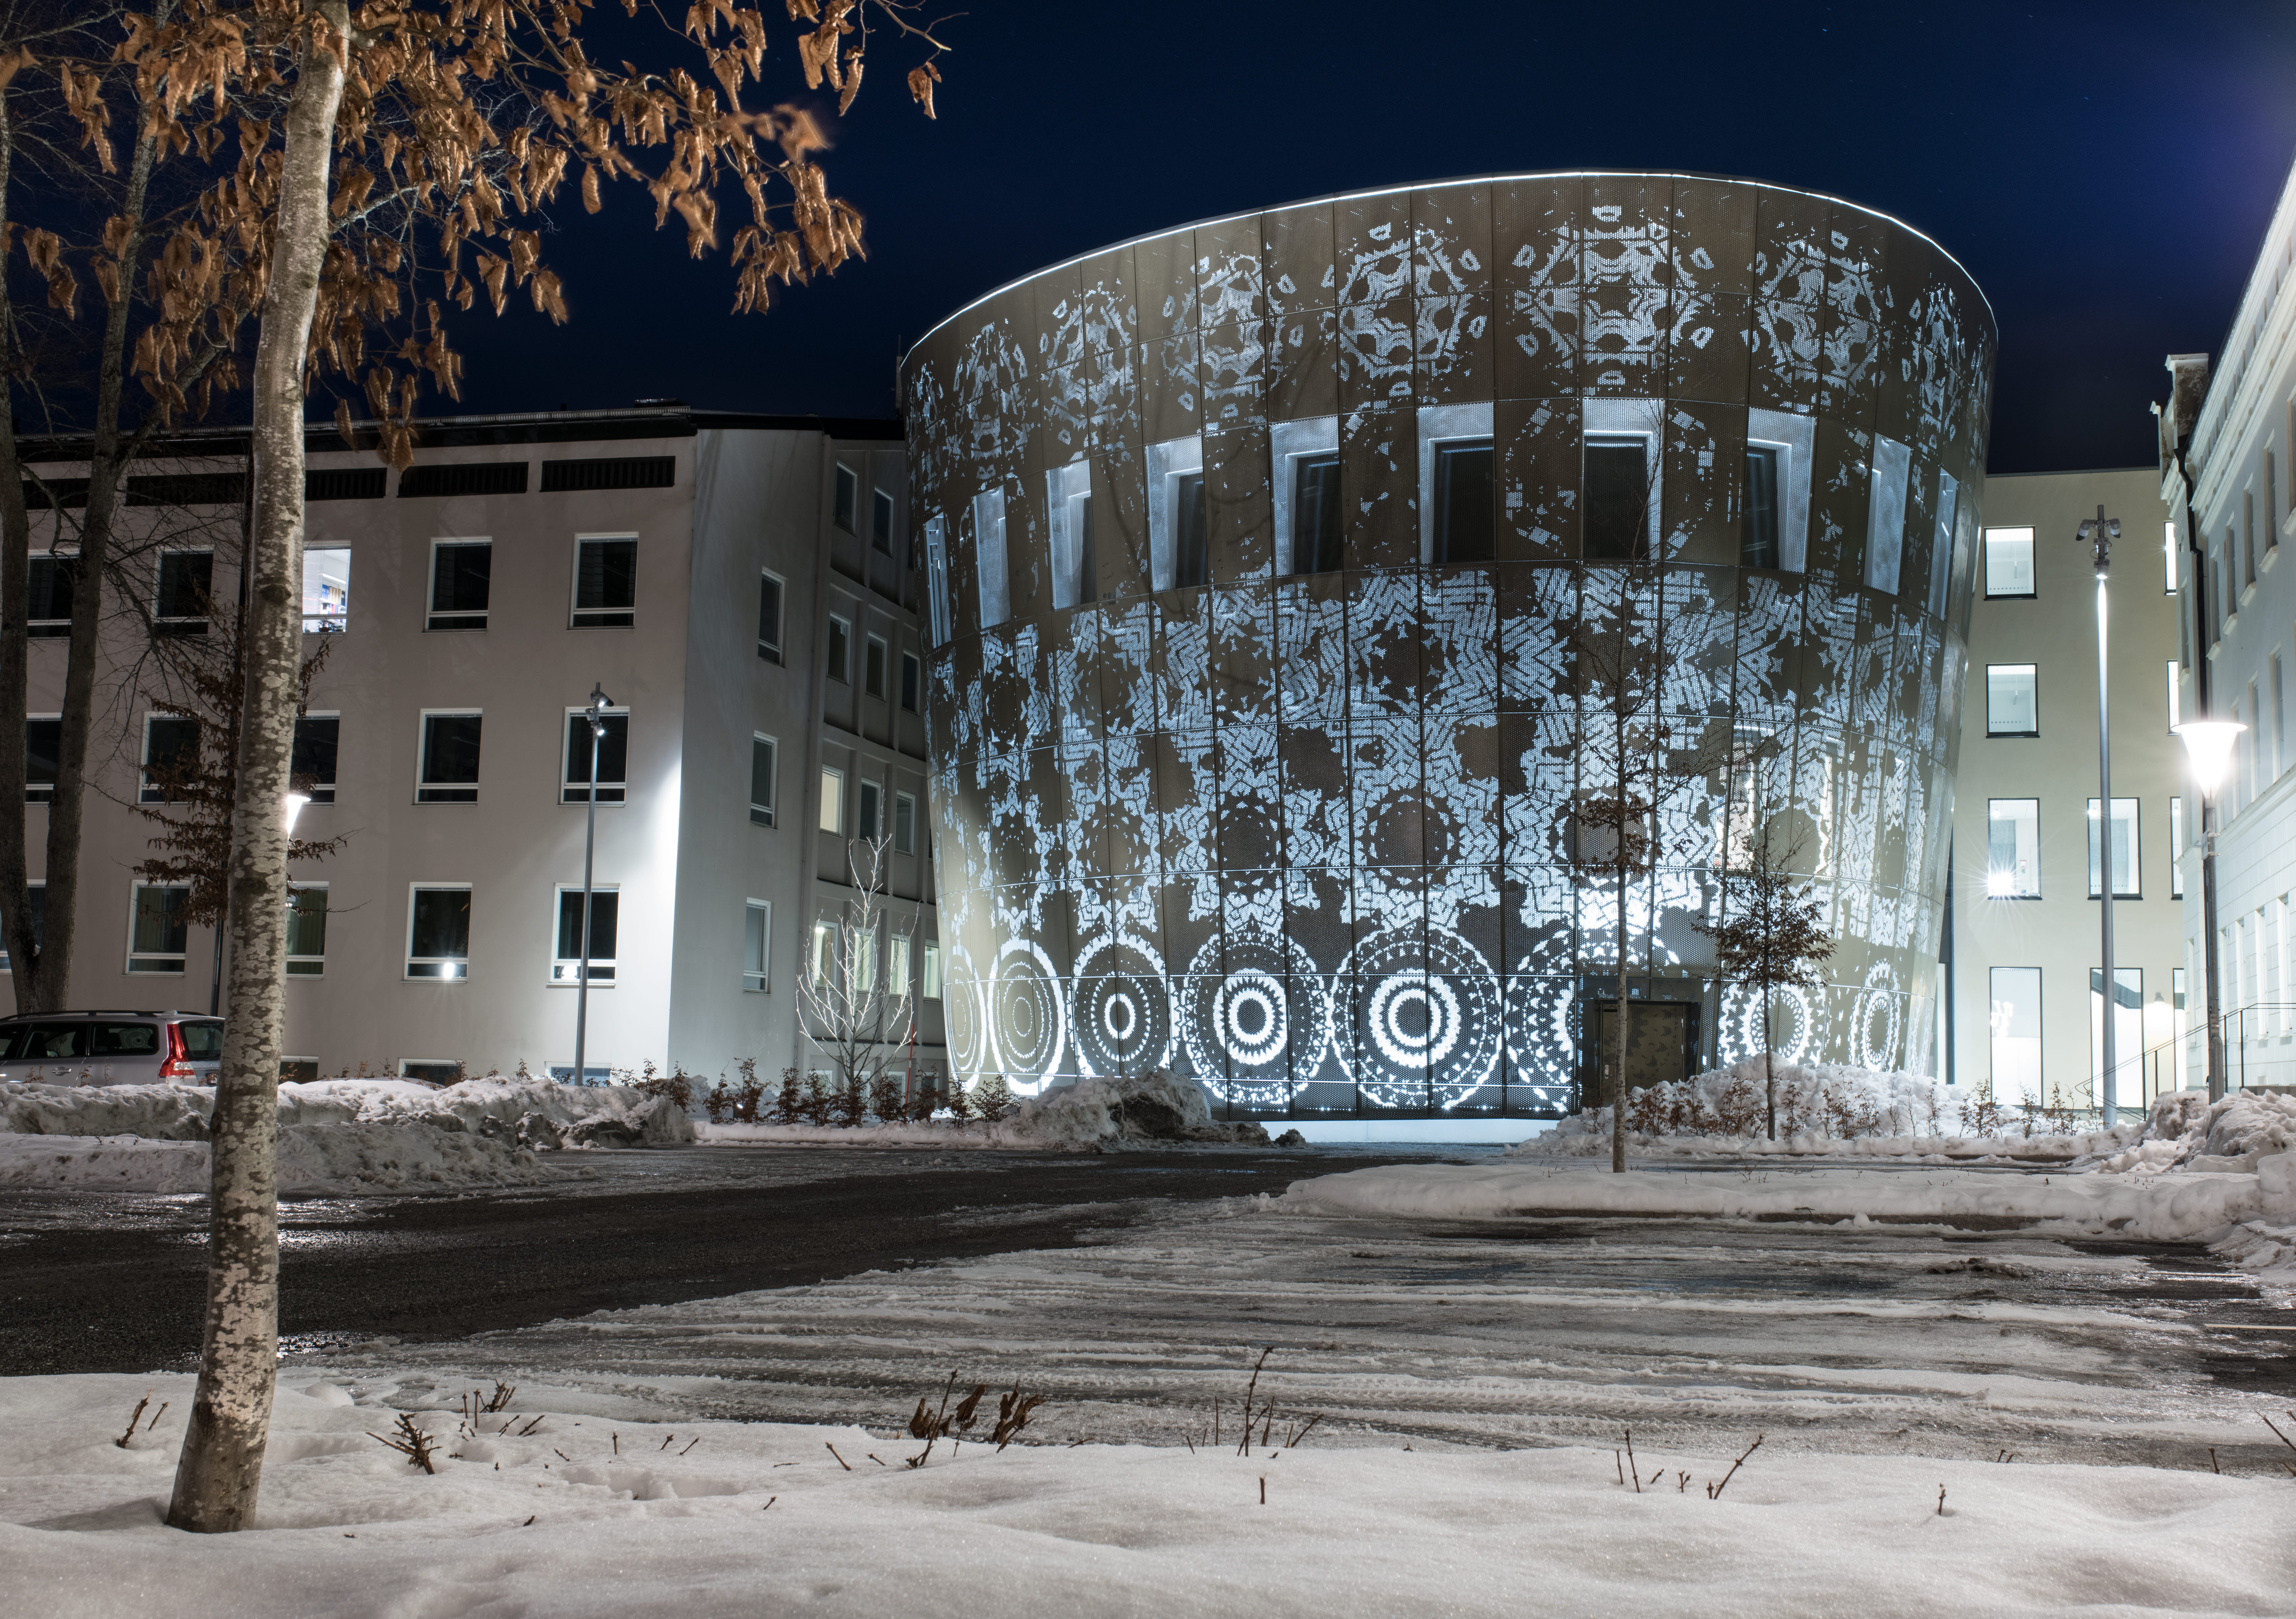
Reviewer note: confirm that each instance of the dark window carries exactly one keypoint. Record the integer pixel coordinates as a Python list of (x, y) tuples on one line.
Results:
[(299, 1070), (905, 824), (188, 490), (1087, 579), (606, 584), (312, 764), (840, 664), (438, 934), (50, 607), (185, 578), (1757, 528), (1316, 515), (36, 901), (202, 1041), (342, 484), (466, 478), (461, 581), (158, 930), (867, 819), (45, 1041), (762, 752), (1462, 503), (1617, 501), (881, 520), (873, 667), (44, 745), (307, 933), (613, 758), (610, 472), (123, 1040), (912, 679), (605, 915), (171, 757), (769, 618), (848, 498), (450, 759), (1189, 559)]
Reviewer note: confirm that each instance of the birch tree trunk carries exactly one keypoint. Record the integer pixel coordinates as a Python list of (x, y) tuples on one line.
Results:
[(221, 1468), (15, 611), (1626, 880)]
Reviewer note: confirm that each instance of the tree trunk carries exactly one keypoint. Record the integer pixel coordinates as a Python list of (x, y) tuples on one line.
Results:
[(221, 1469), (1769, 1066), (1618, 1051), (15, 612)]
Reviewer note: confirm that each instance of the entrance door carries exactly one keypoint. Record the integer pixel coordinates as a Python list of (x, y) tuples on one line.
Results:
[(1662, 1044)]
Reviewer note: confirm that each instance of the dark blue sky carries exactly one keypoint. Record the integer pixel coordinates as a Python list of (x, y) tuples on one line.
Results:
[(2105, 172)]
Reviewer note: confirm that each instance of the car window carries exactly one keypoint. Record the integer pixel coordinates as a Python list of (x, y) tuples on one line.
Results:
[(42, 1041), (203, 1042), (123, 1040)]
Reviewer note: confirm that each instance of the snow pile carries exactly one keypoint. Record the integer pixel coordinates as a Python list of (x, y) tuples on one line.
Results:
[(706, 1518), (1089, 1115), (158, 1112), (315, 1160), (2185, 1131)]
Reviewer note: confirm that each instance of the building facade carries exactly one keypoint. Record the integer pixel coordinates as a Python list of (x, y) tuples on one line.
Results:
[(743, 589), (1298, 580)]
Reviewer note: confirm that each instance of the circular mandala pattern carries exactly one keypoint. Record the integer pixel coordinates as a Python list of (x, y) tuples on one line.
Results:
[(1541, 998), (1026, 1018), (1791, 1021), (1880, 1015), (961, 1009), (1255, 1017), (1425, 1016), (1120, 1011)]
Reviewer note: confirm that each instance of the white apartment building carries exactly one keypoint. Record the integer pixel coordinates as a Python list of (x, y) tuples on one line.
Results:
[(2023, 952), (744, 591)]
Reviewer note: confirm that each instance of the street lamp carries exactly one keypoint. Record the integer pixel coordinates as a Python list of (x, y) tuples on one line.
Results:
[(2100, 532), (2207, 749), (596, 714)]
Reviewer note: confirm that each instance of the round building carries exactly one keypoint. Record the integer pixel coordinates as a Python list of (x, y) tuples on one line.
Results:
[(1305, 583)]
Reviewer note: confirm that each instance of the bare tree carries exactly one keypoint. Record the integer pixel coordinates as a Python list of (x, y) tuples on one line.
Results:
[(853, 1014)]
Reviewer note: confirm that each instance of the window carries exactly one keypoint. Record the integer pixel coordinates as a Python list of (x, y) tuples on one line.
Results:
[(1075, 571), (171, 757), (1757, 508), (2128, 1032), (1618, 514), (1176, 513), (306, 930), (847, 498), (1948, 512), (49, 602), (327, 589), (2176, 849), (1788, 440), (182, 604), (881, 520), (1455, 491), (904, 823), (449, 771), (342, 484), (463, 478), (299, 1070), (840, 650), (824, 952), (613, 760), (2012, 848), (769, 617), (756, 944), (157, 929), (864, 960), (2014, 1023), (873, 655), (833, 799), (2256, 782), (930, 989), (913, 673), (311, 761), (447, 1071), (438, 931), (605, 581), (865, 808), (989, 551), (2126, 874), (2175, 699), (2271, 502), (44, 745), (2168, 555), (897, 965), (36, 897), (605, 912), (1885, 513), (765, 754), (1307, 490), (610, 472), (2008, 563), (2279, 720), (2248, 536), (2012, 703), (937, 579), (460, 572)]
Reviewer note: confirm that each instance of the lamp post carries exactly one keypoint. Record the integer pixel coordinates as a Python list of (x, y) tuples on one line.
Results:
[(596, 714), (2208, 748), (2100, 532)]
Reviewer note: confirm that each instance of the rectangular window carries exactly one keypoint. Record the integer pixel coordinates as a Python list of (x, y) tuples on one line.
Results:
[(2128, 1033), (764, 755), (2008, 563), (2126, 872), (171, 757), (847, 498), (1617, 505), (605, 581), (1307, 495), (311, 761), (2279, 721), (874, 657), (833, 799), (2248, 536), (1885, 513), (463, 478), (2176, 697), (2271, 502), (769, 617), (864, 960), (157, 931), (1792, 442), (1758, 509), (438, 931), (613, 757), (2168, 555), (881, 520), (449, 770), (48, 607), (1465, 522), (2012, 702), (182, 603), (1948, 509), (609, 472), (36, 894), (1076, 569), (306, 930), (937, 578), (326, 590), (605, 914), (931, 988), (913, 680), (2012, 848), (904, 823), (2014, 1023), (896, 966), (756, 944), (461, 572), (824, 952), (342, 482), (446, 1071), (1176, 513), (2176, 848), (44, 745), (840, 650), (2256, 782), (865, 811)]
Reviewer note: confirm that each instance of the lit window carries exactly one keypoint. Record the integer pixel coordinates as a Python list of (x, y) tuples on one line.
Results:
[(2012, 704), (874, 656), (2176, 700), (2176, 849), (912, 681), (847, 498), (605, 914), (764, 756), (988, 557), (182, 603), (2127, 877), (171, 757), (840, 650), (881, 520), (1176, 513), (450, 759), (904, 823), (932, 987), (2168, 555), (2014, 1025), (2012, 848), (769, 617), (2008, 563), (896, 966), (1307, 489), (833, 799), (44, 742), (306, 930), (461, 576), (311, 761), (327, 589), (49, 604), (1067, 495), (824, 952), (1885, 513), (605, 581), (613, 757), (438, 931), (158, 928), (756, 943)]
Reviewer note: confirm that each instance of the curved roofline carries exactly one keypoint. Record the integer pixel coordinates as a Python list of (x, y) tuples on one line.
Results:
[(1421, 185)]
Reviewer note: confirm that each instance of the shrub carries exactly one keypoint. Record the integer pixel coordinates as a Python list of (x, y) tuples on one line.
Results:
[(739, 1103), (886, 1099), (676, 1085), (817, 1099), (791, 1103), (992, 1097), (852, 1102)]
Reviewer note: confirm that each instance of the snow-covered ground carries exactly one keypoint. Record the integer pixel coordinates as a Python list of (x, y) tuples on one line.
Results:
[(605, 1506)]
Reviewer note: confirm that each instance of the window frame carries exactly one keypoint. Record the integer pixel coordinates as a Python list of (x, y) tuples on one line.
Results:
[(409, 960), (823, 955), (868, 809), (324, 623), (2135, 890), (770, 651), (1995, 887), (320, 792), (991, 561), (1453, 427), (912, 684), (876, 663), (881, 520), (66, 565), (936, 601), (766, 813), (563, 973), (2176, 845), (837, 652), (758, 980), (435, 617), (318, 968), (42, 792), (1068, 502), (1292, 446), (570, 791), (845, 499), (1995, 1038), (179, 624), (623, 618), (1888, 491), (904, 809), (1171, 462), (929, 985), (833, 797), (181, 957), (2036, 671), (2032, 562), (422, 783), (148, 791)]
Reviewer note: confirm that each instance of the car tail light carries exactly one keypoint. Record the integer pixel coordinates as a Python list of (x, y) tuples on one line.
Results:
[(174, 1065)]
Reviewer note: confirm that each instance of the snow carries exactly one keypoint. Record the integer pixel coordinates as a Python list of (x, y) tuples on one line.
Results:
[(709, 1518), (1088, 1116), (315, 1160)]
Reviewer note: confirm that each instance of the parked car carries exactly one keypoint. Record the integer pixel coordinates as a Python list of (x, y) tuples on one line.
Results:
[(110, 1048)]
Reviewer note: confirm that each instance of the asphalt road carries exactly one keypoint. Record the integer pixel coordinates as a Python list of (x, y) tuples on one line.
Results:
[(116, 1282)]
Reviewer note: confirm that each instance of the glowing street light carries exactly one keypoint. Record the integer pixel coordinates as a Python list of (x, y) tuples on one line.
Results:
[(294, 803), (2208, 750)]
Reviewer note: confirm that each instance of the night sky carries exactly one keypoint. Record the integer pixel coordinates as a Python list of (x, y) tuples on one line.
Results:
[(2106, 172)]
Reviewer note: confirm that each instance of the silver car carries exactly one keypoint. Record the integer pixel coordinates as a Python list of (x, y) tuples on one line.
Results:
[(110, 1048)]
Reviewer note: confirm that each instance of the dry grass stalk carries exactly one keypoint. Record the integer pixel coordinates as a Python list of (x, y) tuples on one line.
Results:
[(930, 1426), (1633, 1470), (410, 1442), (133, 1417), (1714, 1491), (2269, 1422), (1250, 1389), (1012, 1415), (841, 1460)]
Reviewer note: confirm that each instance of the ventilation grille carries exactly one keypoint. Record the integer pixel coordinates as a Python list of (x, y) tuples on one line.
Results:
[(343, 484), (465, 477), (188, 490), (610, 473)]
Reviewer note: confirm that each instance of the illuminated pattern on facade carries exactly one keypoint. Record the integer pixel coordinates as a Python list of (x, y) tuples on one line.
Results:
[(1258, 551)]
